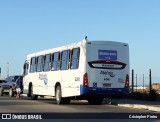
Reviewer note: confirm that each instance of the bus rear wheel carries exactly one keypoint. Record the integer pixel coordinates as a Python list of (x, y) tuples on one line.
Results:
[(59, 98), (95, 100)]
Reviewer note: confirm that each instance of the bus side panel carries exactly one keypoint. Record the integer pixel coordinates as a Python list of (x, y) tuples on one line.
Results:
[(73, 78), (70, 83)]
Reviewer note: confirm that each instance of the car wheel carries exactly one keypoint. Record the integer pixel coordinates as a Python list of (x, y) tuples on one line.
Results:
[(1, 92)]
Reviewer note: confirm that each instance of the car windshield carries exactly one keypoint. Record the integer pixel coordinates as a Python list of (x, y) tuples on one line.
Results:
[(12, 78), (3, 81)]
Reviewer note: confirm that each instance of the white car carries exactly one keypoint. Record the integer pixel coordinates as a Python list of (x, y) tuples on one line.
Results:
[(9, 87)]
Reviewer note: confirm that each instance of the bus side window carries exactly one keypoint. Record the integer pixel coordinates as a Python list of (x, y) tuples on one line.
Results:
[(47, 61), (55, 61), (65, 55), (33, 65), (40, 63), (75, 58)]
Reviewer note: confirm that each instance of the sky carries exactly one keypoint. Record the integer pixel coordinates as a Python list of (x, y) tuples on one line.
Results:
[(28, 26)]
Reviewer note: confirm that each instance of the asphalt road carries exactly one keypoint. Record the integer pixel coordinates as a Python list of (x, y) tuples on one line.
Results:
[(49, 107), (24, 104)]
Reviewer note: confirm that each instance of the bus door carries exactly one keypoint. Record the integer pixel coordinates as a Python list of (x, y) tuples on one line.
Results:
[(25, 77)]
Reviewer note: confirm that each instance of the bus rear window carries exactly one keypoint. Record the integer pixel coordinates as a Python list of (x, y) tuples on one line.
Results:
[(107, 64)]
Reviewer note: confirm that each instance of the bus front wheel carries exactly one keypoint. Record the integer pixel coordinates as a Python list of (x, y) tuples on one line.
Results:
[(33, 96)]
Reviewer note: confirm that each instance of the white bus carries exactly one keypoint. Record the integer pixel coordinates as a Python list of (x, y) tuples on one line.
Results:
[(87, 70)]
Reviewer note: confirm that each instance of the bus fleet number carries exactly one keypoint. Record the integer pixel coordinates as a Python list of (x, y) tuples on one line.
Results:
[(77, 78)]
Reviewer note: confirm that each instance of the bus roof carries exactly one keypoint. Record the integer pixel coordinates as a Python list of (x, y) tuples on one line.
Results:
[(74, 45)]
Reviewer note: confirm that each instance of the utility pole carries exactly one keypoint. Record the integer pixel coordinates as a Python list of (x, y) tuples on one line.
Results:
[(7, 69), (143, 83), (136, 82), (0, 72), (150, 80), (132, 81)]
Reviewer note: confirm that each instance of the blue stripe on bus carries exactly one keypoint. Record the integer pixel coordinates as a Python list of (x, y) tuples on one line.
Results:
[(84, 90)]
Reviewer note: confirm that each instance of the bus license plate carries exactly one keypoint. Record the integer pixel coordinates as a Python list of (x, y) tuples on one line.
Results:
[(106, 85)]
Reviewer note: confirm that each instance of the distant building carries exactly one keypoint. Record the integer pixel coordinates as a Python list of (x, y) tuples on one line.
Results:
[(156, 87), (139, 89)]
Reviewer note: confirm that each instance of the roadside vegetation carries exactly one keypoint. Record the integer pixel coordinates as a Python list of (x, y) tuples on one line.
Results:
[(150, 96)]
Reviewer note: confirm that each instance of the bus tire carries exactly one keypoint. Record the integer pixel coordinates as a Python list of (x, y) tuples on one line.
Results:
[(33, 96), (66, 101), (29, 90), (11, 94), (59, 99), (58, 95), (95, 101)]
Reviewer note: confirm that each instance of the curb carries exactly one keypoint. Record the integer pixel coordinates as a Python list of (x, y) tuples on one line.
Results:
[(151, 108)]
